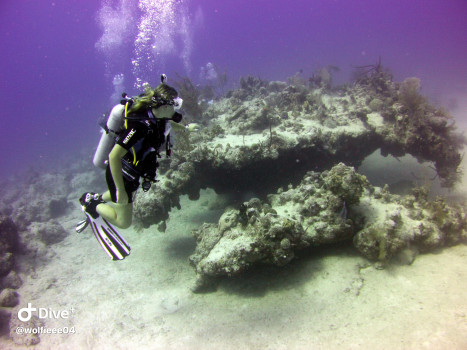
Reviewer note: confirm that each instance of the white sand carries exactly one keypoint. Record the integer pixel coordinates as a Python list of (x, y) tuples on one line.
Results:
[(327, 300)]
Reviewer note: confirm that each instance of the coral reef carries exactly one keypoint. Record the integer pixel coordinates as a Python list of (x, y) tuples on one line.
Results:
[(43, 197), (312, 214), (154, 206), (25, 339), (12, 281), (9, 244), (393, 223), (325, 208), (31, 215), (5, 316), (48, 233), (265, 134), (33, 205), (215, 80), (412, 125), (191, 96), (9, 280), (9, 298), (322, 78), (294, 143)]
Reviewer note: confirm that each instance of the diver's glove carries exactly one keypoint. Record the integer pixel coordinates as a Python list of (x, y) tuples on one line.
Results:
[(192, 127)]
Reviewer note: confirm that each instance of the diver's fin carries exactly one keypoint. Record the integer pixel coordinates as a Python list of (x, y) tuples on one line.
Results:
[(110, 240), (80, 226)]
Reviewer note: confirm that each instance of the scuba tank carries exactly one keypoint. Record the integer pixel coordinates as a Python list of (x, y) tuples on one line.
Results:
[(114, 123), (111, 129)]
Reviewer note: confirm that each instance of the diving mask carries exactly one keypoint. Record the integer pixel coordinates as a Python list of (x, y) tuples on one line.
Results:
[(175, 116), (178, 102), (161, 101)]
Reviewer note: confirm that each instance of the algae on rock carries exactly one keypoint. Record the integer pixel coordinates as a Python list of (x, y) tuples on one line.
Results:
[(335, 206)]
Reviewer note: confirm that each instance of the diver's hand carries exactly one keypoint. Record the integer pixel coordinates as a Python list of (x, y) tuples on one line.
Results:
[(122, 196), (192, 127)]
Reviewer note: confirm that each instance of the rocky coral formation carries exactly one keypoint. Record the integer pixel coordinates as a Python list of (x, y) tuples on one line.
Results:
[(25, 339), (275, 122), (12, 281), (154, 206), (325, 208), (9, 298), (9, 243), (43, 197), (9, 280), (268, 135), (393, 223), (412, 125), (31, 204), (265, 134), (48, 233)]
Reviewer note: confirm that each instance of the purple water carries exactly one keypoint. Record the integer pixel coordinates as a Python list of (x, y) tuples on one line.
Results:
[(59, 58)]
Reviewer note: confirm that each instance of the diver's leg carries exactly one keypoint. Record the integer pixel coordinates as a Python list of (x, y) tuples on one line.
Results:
[(117, 214), (124, 214), (106, 196)]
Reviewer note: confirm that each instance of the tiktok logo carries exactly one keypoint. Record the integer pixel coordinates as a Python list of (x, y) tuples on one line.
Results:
[(25, 313), (28, 310)]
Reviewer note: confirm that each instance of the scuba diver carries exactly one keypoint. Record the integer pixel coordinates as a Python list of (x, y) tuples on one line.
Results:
[(136, 131)]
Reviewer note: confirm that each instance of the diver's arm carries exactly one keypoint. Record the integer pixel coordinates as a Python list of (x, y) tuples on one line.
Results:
[(180, 127), (115, 162)]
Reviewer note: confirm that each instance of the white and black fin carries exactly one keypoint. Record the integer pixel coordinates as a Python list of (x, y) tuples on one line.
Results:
[(110, 240), (80, 226)]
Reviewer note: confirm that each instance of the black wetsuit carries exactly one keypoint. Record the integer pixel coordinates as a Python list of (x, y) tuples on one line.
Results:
[(143, 139)]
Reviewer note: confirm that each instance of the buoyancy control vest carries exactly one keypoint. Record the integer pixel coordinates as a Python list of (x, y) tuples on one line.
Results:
[(138, 162), (141, 159)]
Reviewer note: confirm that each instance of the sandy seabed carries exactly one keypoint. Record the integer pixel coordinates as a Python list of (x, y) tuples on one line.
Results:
[(328, 298), (331, 299)]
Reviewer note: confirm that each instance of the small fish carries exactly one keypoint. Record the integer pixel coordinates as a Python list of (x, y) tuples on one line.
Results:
[(343, 213), (285, 116)]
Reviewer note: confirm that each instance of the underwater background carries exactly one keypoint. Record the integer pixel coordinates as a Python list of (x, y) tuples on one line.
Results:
[(64, 63), (256, 235)]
